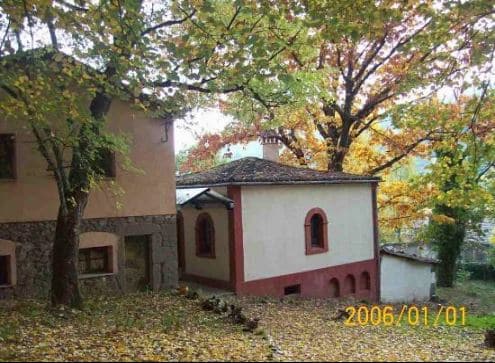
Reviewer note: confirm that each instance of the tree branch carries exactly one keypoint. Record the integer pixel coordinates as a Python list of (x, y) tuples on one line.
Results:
[(72, 6), (392, 51), (484, 171), (192, 87), (168, 23), (400, 156)]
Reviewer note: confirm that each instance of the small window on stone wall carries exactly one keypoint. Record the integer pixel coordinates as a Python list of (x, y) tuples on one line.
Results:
[(95, 260), (8, 275), (98, 252), (5, 270)]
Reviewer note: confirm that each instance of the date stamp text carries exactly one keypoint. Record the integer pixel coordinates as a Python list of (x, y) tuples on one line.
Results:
[(412, 315)]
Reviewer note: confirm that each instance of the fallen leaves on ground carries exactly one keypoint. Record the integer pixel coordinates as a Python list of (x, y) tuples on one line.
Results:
[(304, 330), (167, 327), (135, 327)]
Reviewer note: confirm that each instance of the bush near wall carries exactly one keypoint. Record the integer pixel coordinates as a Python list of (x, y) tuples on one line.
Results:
[(479, 271)]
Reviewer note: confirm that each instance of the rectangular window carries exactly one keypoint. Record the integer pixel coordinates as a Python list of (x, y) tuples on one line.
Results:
[(106, 163), (5, 270), (292, 290), (95, 260), (7, 156)]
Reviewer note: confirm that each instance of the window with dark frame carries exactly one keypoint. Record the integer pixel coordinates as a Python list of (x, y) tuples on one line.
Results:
[(106, 163), (5, 270), (315, 231), (95, 260), (205, 236), (7, 156)]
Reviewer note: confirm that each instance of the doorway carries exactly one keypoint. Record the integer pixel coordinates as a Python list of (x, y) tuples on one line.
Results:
[(137, 263)]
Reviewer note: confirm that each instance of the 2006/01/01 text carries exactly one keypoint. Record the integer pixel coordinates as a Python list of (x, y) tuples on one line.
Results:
[(412, 315)]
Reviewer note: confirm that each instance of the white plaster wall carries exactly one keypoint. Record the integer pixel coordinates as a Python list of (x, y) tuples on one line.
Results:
[(405, 280), (273, 227), (213, 268)]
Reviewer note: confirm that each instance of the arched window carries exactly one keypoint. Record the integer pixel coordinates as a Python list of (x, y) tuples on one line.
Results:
[(205, 236), (364, 281), (316, 231), (334, 288), (349, 285)]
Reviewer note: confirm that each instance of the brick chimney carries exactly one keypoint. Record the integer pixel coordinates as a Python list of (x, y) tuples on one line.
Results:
[(270, 144)]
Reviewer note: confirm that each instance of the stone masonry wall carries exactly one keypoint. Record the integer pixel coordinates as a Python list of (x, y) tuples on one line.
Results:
[(34, 250)]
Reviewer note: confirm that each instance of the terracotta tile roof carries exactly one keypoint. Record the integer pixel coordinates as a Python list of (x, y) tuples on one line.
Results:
[(255, 171)]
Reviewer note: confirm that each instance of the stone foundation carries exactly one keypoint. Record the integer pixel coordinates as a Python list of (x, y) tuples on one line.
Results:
[(34, 250)]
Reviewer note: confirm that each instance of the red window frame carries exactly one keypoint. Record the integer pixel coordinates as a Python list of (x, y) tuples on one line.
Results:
[(200, 238), (310, 249)]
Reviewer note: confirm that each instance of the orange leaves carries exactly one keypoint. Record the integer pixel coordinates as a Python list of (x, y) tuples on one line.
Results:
[(401, 202), (205, 154)]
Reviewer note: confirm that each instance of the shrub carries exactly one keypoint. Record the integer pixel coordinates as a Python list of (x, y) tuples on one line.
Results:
[(479, 271)]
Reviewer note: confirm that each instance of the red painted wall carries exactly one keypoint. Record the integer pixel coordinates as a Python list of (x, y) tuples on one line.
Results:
[(316, 283)]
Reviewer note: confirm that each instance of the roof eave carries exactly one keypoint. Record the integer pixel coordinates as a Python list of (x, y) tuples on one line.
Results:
[(410, 258), (292, 182)]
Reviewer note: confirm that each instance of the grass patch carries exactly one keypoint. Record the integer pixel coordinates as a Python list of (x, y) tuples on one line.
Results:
[(481, 322), (8, 331), (477, 296)]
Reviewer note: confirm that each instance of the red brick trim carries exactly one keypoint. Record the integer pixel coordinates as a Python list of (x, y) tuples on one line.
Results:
[(236, 245), (215, 283), (316, 283), (376, 240), (199, 219), (311, 250)]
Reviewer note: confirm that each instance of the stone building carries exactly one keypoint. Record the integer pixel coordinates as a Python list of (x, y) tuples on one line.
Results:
[(128, 239)]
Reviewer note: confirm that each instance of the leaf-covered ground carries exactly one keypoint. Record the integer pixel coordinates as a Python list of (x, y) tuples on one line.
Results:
[(135, 327), (167, 327), (305, 330)]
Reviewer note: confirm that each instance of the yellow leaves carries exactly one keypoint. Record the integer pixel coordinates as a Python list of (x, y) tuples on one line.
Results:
[(143, 327), (440, 218), (131, 328)]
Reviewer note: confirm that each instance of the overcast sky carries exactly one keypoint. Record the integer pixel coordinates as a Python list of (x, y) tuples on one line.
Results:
[(187, 131)]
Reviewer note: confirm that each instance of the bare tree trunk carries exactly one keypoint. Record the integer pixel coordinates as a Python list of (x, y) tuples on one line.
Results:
[(65, 282), (336, 161)]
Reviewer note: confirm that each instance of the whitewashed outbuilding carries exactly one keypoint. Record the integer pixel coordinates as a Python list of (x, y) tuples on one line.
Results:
[(258, 227), (405, 277)]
